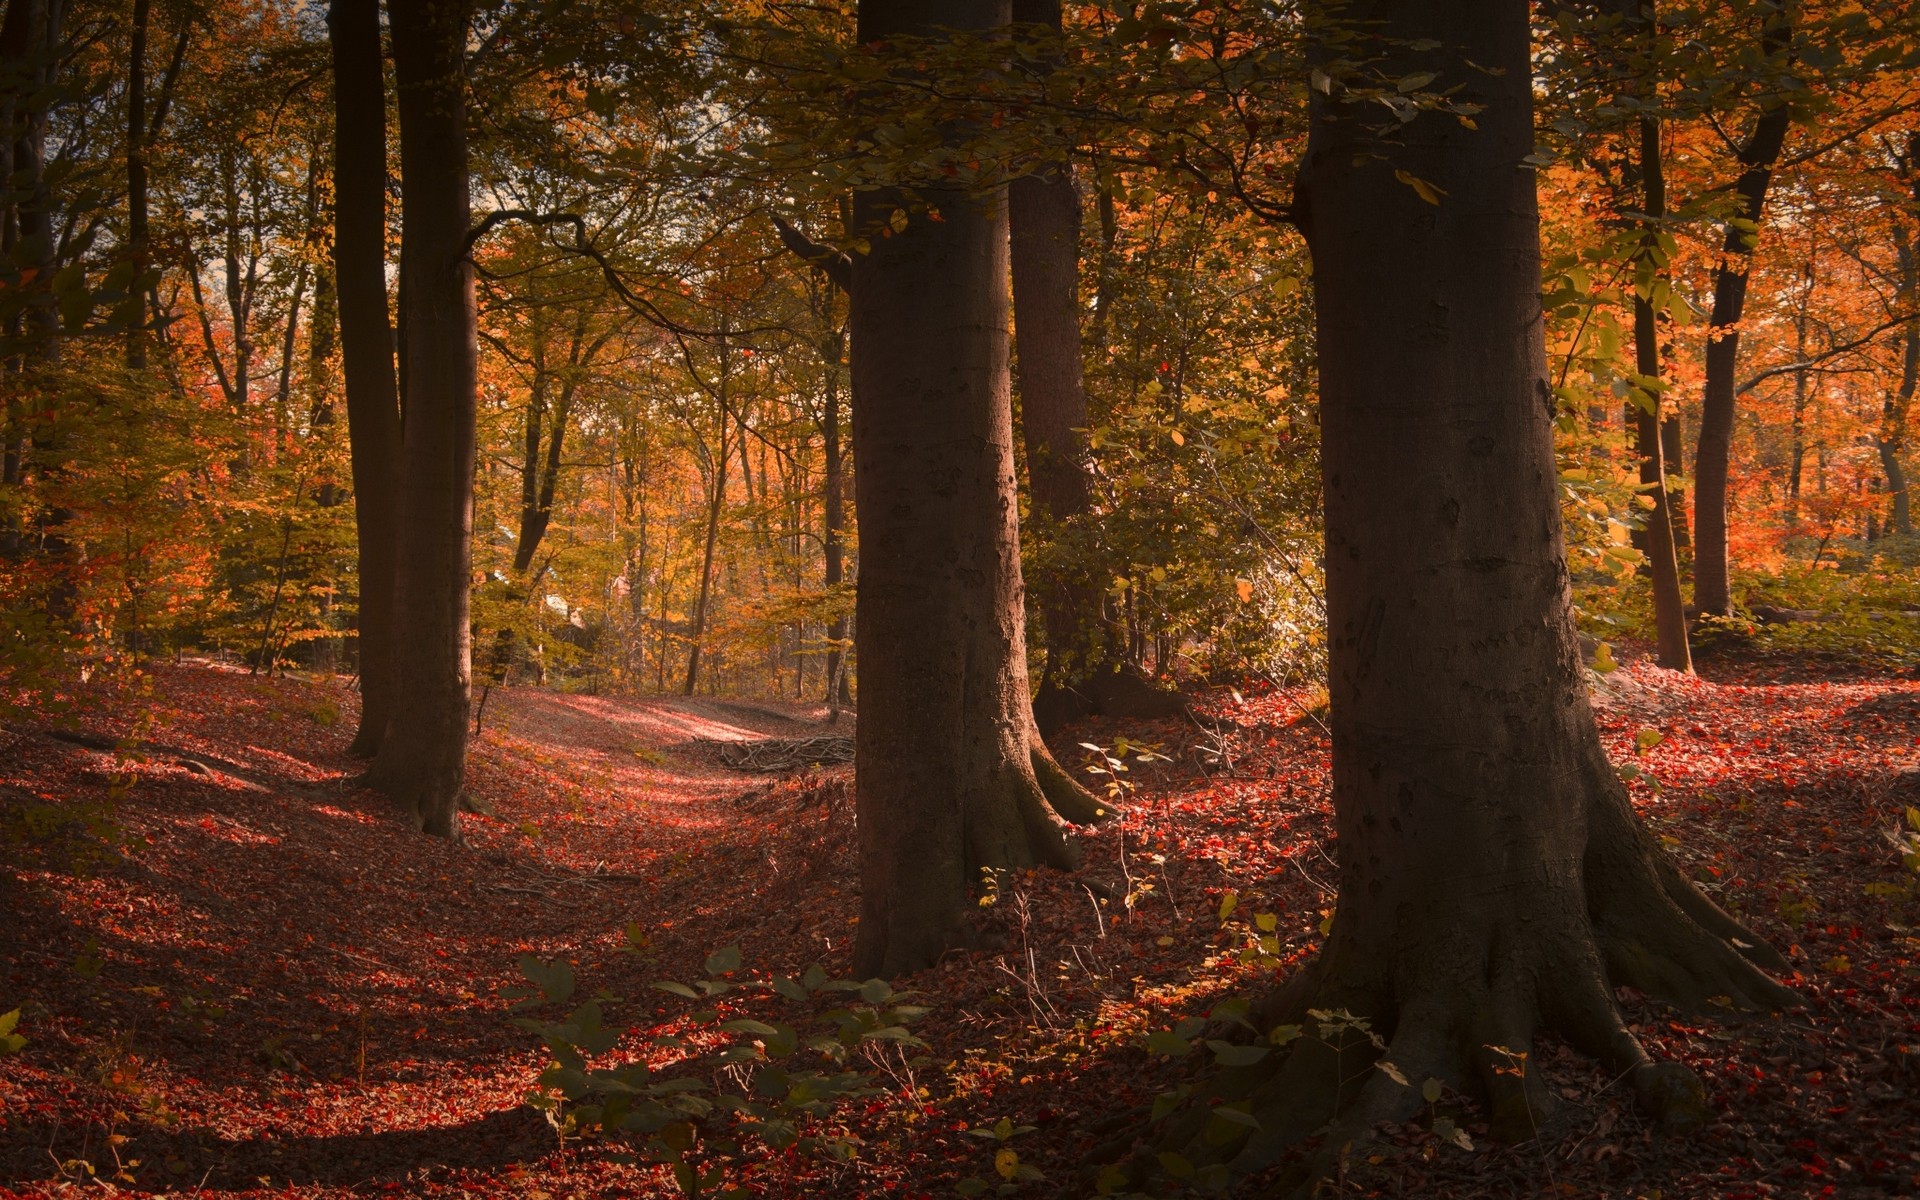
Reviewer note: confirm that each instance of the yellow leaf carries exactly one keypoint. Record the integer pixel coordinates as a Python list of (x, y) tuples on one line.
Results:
[(1179, 439), (1426, 191), (1007, 1162), (1245, 588)]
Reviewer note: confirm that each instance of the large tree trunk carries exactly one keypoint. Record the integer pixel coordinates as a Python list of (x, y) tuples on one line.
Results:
[(423, 760), (1714, 445), (949, 770), (366, 346), (1494, 881)]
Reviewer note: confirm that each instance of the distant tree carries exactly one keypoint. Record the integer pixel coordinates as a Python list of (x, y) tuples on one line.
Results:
[(1757, 156), (1085, 672), (366, 344)]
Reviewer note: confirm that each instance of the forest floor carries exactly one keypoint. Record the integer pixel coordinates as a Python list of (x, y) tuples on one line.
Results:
[(238, 974)]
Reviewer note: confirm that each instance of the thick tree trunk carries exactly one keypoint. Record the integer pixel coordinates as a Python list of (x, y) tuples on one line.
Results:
[(1711, 591), (951, 778), (423, 760), (366, 346), (1494, 880)]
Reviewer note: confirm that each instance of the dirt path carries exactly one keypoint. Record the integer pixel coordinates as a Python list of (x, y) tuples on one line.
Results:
[(285, 983)]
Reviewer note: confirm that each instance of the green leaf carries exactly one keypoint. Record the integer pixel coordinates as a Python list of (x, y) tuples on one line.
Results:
[(1228, 903), (1165, 1041), (1647, 739), (1236, 1115), (1176, 1165), (724, 961), (554, 979), (1227, 1054), (1447, 1131), (677, 989), (1430, 1091)]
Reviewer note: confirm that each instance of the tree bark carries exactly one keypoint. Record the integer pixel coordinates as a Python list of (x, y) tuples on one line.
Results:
[(366, 346), (1711, 591), (137, 235), (422, 763), (1084, 670), (1892, 437), (833, 520), (716, 505), (1663, 564), (951, 779), (1494, 881)]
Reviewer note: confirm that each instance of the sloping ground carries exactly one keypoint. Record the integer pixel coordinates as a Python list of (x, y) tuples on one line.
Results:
[(281, 990)]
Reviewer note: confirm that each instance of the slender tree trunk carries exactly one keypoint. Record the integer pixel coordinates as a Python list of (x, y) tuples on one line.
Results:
[(833, 492), (1084, 670), (1673, 451), (716, 506), (1892, 437), (1711, 590), (1663, 568), (423, 761), (1494, 880), (366, 347), (951, 779), (137, 234)]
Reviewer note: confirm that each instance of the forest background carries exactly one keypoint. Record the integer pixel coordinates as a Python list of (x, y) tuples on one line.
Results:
[(663, 482)]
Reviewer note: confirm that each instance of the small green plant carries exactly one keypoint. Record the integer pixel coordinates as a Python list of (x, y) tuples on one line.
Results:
[(1006, 1161), (770, 1081), (1110, 763), (325, 714), (1905, 840)]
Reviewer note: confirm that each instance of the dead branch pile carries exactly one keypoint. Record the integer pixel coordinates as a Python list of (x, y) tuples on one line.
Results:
[(771, 755)]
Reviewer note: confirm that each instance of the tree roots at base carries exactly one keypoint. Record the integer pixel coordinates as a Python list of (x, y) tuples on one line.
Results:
[(1374, 1026)]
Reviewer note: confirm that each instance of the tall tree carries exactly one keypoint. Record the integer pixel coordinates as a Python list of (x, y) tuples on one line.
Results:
[(1084, 671), (1669, 604), (1891, 438), (422, 761), (951, 779), (1494, 880), (366, 344), (1713, 448)]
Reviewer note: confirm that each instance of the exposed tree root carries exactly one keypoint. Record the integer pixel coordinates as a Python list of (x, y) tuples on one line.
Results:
[(1457, 994), (1062, 791)]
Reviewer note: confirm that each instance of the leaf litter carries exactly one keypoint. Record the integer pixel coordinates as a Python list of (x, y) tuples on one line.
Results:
[(255, 981)]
